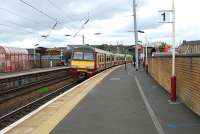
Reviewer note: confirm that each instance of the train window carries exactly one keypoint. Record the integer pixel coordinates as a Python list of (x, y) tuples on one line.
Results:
[(78, 56), (88, 56)]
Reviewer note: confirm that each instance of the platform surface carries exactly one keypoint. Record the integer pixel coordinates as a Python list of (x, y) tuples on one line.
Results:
[(128, 102), (31, 71)]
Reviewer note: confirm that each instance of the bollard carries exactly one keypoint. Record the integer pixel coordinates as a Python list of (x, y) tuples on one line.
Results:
[(173, 88)]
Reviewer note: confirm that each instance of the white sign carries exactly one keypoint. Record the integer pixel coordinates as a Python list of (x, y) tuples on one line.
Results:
[(165, 16)]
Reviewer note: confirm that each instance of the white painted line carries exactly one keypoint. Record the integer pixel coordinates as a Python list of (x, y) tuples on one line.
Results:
[(173, 103), (113, 79), (85, 84), (8, 128), (149, 109)]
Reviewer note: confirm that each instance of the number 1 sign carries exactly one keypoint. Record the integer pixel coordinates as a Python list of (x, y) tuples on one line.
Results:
[(166, 16)]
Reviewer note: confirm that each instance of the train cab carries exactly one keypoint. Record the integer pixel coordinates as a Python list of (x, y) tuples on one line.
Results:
[(83, 62)]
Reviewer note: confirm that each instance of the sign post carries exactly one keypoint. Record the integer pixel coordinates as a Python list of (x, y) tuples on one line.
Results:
[(173, 78), (168, 16)]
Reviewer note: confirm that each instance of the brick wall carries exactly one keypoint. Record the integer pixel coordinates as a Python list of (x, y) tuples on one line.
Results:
[(188, 77)]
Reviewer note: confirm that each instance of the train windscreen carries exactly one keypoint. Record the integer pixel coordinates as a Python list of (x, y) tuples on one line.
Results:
[(83, 56), (78, 56), (88, 56)]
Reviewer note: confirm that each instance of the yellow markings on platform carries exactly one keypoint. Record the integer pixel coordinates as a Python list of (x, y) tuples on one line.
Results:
[(47, 118)]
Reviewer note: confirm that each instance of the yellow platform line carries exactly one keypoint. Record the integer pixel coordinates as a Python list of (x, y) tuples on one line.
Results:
[(43, 121)]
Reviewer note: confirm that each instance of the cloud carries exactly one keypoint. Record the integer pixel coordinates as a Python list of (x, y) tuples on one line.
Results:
[(22, 26)]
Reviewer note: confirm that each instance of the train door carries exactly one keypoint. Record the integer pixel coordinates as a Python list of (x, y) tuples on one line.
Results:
[(105, 61), (109, 61), (96, 61)]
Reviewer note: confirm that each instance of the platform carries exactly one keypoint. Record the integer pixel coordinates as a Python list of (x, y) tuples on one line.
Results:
[(128, 102), (117, 101), (31, 71)]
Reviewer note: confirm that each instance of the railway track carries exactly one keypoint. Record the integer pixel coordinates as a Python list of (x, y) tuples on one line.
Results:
[(18, 113), (15, 82), (14, 92)]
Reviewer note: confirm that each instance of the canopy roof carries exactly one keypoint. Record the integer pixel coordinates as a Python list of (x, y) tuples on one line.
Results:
[(12, 50)]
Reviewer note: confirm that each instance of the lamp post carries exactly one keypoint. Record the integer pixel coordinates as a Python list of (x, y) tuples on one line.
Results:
[(136, 34), (146, 55), (142, 56), (34, 53), (83, 39)]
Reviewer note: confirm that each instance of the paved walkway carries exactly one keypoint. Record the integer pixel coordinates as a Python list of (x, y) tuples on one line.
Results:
[(128, 102)]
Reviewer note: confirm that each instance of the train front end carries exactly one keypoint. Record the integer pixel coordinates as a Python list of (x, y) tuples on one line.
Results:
[(83, 63)]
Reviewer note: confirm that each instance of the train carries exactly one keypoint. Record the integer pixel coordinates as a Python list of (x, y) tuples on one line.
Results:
[(87, 61)]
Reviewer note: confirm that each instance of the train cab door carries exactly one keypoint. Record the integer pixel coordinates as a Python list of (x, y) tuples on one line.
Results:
[(96, 61), (105, 61)]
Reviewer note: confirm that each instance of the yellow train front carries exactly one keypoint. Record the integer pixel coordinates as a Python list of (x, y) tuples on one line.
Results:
[(83, 62), (87, 61)]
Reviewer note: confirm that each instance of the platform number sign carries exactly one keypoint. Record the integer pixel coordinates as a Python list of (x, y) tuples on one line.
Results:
[(165, 16)]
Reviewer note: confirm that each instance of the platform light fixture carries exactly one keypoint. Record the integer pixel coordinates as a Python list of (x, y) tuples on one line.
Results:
[(146, 43), (34, 53)]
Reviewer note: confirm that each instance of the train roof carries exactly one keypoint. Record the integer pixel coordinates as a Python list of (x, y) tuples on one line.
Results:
[(93, 49), (102, 51)]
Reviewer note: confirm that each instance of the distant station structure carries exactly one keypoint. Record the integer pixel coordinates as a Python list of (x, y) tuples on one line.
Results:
[(189, 47), (20, 59), (13, 59), (48, 57)]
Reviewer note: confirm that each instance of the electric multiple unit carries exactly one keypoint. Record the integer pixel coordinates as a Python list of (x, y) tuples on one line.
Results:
[(87, 61)]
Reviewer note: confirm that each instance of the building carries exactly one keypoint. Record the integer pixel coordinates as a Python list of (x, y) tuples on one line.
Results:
[(189, 47), (48, 57)]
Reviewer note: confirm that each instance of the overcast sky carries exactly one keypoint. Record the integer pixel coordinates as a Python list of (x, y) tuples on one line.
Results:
[(22, 26)]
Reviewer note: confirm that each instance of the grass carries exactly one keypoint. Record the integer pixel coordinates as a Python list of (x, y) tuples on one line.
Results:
[(42, 90)]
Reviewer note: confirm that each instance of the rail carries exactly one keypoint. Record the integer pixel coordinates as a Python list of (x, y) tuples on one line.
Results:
[(18, 113)]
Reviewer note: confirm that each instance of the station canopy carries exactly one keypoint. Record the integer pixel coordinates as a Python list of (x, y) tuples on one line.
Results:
[(13, 59)]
